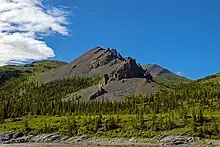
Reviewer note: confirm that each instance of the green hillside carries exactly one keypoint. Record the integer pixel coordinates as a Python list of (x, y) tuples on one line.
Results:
[(30, 71), (36, 67), (213, 79), (10, 67), (164, 76), (191, 108), (47, 65)]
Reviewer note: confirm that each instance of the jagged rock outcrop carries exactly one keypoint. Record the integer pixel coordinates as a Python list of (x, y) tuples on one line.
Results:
[(100, 62), (11, 137), (85, 140), (98, 93), (129, 69), (110, 55), (171, 140)]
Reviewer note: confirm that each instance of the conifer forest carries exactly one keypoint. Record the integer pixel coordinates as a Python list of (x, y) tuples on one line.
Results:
[(189, 108)]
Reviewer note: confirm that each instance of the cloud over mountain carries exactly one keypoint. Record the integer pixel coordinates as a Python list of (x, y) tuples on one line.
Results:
[(22, 24)]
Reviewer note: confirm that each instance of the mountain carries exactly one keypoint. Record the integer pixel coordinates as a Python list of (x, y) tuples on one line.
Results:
[(98, 62), (157, 70), (82, 86), (115, 76), (164, 76), (122, 76)]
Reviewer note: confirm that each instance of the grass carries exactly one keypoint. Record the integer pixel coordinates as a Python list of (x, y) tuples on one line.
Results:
[(86, 123), (125, 127), (215, 78), (37, 124), (38, 66), (47, 65), (171, 82)]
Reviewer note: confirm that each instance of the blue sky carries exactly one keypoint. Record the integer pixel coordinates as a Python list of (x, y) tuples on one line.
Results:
[(181, 35)]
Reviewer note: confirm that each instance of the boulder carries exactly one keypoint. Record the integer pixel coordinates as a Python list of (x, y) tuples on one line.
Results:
[(17, 135), (100, 92), (23, 139), (53, 138), (82, 138), (176, 140), (48, 138), (6, 136), (77, 139)]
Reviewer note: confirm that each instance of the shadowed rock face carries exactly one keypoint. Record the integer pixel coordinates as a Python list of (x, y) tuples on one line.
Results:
[(128, 69), (100, 62)]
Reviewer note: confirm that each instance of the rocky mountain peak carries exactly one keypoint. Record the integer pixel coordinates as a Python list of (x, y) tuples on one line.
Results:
[(105, 57), (128, 69), (100, 62)]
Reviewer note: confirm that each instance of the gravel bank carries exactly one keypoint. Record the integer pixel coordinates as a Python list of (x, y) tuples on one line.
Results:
[(85, 140)]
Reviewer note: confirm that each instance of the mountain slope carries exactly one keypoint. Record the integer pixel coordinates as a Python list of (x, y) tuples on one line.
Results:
[(31, 71), (118, 90), (164, 76), (210, 79), (121, 76), (97, 62), (44, 65), (37, 66)]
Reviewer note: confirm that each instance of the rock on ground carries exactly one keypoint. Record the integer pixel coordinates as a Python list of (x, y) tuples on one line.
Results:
[(158, 141), (176, 140)]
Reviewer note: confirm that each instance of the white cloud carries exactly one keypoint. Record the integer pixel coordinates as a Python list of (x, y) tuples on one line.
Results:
[(22, 23), (179, 73)]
